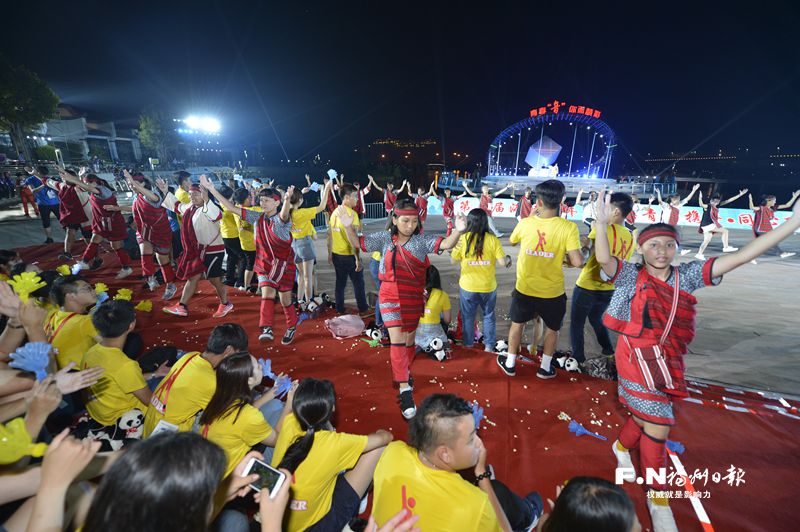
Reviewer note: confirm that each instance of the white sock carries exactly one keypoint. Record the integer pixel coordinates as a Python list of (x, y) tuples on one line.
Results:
[(546, 359), (404, 387), (510, 360)]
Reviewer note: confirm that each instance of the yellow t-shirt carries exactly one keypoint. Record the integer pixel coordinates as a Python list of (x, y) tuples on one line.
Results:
[(620, 242), (437, 303), (315, 478), (182, 195), (247, 237), (443, 500), (301, 222), (189, 393), (376, 255), (112, 395), (237, 434), (543, 242), (70, 337), (340, 245), (478, 274), (227, 225)]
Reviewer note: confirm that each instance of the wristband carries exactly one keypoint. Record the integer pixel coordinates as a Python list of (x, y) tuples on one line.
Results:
[(485, 474)]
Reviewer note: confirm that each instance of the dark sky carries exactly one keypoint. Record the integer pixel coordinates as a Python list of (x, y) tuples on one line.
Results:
[(332, 76)]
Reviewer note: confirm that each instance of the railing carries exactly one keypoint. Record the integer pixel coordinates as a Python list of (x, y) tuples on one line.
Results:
[(372, 211)]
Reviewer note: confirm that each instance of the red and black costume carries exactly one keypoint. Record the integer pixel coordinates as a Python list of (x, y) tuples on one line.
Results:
[(274, 264), (402, 273), (525, 207), (389, 199), (448, 212), (486, 204), (639, 312), (152, 225), (762, 221), (108, 224), (71, 212)]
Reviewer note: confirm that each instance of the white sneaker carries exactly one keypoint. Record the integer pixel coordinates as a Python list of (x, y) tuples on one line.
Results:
[(624, 462), (754, 261), (78, 266), (685, 252), (663, 520), (152, 283), (700, 256), (124, 272), (787, 254), (728, 249)]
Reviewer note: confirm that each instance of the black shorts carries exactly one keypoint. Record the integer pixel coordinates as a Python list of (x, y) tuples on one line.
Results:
[(552, 310), (344, 507), (249, 260), (74, 227), (213, 262), (45, 211)]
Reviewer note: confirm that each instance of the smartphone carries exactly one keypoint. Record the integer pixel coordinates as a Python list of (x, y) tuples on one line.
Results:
[(270, 478)]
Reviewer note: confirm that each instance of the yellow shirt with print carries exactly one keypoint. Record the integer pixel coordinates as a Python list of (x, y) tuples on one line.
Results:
[(620, 243), (340, 244), (443, 500), (237, 431), (301, 222), (247, 237), (228, 227), (437, 303), (315, 478), (544, 242), (183, 197), (478, 274), (71, 337), (112, 396), (189, 393)]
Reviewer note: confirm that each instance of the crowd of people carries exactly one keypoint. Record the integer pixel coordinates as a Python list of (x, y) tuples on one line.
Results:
[(162, 439)]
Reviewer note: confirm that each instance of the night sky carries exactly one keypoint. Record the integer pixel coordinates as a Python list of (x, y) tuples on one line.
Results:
[(332, 77)]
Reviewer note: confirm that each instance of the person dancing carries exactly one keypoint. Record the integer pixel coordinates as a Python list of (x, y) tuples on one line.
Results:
[(710, 224), (402, 274), (764, 214), (653, 310)]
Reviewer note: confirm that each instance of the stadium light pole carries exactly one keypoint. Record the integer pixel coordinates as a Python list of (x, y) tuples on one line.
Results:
[(574, 135), (591, 152)]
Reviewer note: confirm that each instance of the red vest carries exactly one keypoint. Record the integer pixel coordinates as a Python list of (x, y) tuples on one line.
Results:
[(762, 222), (269, 247), (388, 200), (71, 209), (654, 297), (422, 204), (152, 223), (486, 204), (525, 207), (448, 207)]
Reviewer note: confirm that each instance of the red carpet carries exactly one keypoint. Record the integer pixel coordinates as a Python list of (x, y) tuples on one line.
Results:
[(529, 447)]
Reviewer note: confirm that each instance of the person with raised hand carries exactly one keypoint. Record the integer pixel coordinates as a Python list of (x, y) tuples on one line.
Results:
[(653, 310), (203, 249), (402, 273), (275, 264)]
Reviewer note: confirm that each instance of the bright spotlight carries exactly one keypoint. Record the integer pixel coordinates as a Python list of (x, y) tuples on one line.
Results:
[(206, 124)]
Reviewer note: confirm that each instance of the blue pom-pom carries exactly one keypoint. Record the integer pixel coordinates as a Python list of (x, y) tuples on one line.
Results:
[(675, 446), (33, 357), (282, 386), (477, 414), (266, 368)]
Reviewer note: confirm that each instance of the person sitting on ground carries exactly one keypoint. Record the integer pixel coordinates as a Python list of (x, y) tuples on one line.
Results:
[(191, 382), (590, 503), (436, 312), (232, 419), (167, 482), (323, 498), (122, 391), (443, 440)]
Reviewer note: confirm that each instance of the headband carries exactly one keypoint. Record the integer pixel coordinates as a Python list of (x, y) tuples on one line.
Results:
[(406, 212), (273, 195), (646, 235)]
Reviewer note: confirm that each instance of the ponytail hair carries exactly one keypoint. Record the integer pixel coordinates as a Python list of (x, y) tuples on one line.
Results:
[(233, 389), (313, 405)]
